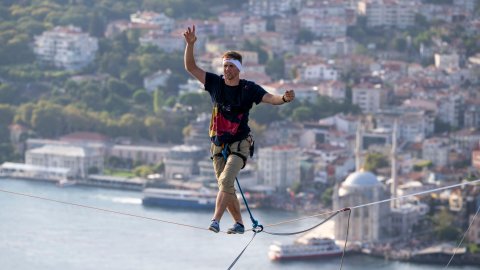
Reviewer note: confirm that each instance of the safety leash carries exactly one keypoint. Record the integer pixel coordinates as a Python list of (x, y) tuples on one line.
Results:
[(256, 227), (306, 230)]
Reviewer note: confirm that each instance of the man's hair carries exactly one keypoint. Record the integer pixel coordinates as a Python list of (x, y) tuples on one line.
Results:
[(233, 55)]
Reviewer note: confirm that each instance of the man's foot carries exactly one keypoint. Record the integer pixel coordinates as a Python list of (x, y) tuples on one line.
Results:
[(214, 227), (237, 228)]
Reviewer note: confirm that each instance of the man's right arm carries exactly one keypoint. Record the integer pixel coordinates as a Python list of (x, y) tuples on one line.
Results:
[(189, 59)]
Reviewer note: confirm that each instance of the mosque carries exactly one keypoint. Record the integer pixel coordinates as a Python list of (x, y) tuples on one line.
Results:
[(377, 222)]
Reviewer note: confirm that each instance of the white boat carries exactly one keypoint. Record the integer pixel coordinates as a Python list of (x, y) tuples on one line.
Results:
[(189, 198), (66, 182), (304, 249)]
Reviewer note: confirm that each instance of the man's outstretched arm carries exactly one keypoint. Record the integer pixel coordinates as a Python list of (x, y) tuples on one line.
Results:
[(188, 57), (288, 96)]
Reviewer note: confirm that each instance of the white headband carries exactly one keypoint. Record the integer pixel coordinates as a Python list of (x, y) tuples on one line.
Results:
[(235, 62)]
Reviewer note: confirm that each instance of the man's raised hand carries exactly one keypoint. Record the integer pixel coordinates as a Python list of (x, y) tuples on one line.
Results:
[(189, 35)]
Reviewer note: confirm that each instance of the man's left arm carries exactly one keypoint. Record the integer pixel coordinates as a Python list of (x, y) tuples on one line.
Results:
[(288, 96)]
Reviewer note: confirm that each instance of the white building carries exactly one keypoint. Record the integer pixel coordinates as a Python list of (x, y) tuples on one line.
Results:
[(66, 47), (436, 150), (231, 22), (334, 89), (153, 18), (328, 48), (140, 153), (272, 7), (369, 97), (450, 108), (405, 217), (78, 159), (447, 61), (396, 13), (159, 78), (182, 161), (317, 72), (166, 42), (254, 26), (414, 124), (278, 166)]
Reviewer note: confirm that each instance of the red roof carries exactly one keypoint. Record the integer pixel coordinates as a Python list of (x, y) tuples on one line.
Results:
[(84, 136)]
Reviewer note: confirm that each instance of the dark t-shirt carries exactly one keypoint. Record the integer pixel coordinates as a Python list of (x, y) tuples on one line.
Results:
[(229, 121)]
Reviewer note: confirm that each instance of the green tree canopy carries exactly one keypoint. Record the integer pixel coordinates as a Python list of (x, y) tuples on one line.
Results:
[(374, 161)]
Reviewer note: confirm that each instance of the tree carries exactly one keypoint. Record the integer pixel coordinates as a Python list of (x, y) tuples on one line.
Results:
[(23, 114), (305, 36), (302, 113), (265, 114), (6, 117), (131, 125), (327, 196), (96, 25), (158, 99), (200, 102), (47, 120), (116, 105), (275, 68), (154, 126), (141, 97), (444, 227), (374, 161), (8, 94), (119, 87), (143, 170)]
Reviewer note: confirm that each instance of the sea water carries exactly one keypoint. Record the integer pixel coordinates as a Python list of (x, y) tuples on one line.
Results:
[(37, 234)]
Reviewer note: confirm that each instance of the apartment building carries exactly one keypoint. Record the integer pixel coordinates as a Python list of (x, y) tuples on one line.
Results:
[(399, 13), (369, 97), (447, 61), (450, 107), (436, 150), (336, 90), (165, 42), (79, 160), (269, 8), (153, 18), (182, 161), (66, 47), (278, 166), (140, 153)]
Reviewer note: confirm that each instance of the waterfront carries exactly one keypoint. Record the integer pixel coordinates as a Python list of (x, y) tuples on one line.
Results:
[(42, 235)]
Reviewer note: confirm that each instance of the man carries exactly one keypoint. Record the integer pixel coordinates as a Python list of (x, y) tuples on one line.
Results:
[(232, 98)]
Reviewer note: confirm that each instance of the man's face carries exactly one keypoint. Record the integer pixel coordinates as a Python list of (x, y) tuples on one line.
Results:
[(230, 71)]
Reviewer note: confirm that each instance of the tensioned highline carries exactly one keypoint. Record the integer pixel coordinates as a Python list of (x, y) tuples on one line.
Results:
[(332, 213)]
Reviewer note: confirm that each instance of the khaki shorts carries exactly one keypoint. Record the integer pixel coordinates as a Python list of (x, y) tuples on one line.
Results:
[(227, 171)]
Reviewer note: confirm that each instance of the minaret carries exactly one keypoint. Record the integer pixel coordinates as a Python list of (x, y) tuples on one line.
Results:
[(394, 185), (358, 147)]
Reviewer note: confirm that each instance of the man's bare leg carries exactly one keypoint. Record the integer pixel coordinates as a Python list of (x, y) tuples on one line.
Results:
[(223, 200), (234, 210)]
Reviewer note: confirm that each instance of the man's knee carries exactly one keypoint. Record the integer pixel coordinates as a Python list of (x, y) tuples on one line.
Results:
[(226, 187)]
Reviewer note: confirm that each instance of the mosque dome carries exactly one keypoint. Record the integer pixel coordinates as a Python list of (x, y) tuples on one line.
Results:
[(361, 179)]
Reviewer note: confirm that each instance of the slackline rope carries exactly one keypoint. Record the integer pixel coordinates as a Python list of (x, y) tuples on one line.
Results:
[(306, 230), (332, 214), (101, 209), (284, 234), (376, 202), (463, 237), (349, 212)]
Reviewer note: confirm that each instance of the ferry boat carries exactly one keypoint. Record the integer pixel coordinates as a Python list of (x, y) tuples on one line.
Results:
[(304, 249), (202, 198)]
